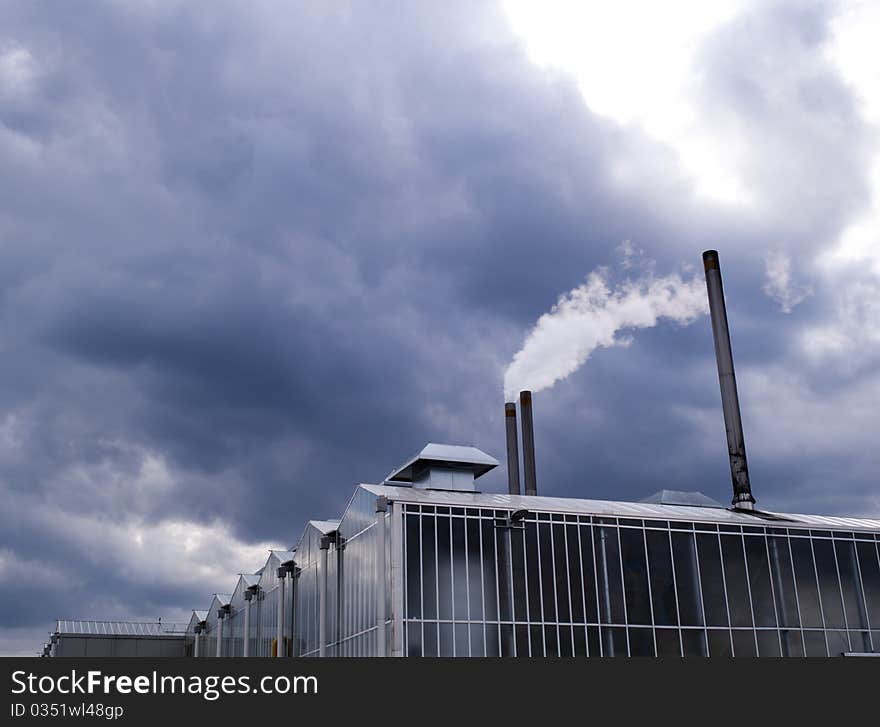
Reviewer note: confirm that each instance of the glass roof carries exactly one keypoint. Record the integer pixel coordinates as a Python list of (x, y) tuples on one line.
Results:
[(119, 628), (619, 509)]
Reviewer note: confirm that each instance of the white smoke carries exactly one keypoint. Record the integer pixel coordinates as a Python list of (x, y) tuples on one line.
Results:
[(779, 284), (590, 317)]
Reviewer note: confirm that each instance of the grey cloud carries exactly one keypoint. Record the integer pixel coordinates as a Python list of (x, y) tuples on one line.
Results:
[(277, 251)]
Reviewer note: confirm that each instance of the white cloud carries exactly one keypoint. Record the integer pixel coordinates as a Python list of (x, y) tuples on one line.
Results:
[(633, 62)]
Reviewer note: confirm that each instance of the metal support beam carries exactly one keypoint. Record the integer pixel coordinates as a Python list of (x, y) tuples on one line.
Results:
[(381, 591), (322, 599), (279, 621)]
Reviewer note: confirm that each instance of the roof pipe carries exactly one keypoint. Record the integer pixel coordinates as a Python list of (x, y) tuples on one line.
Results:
[(736, 445), (528, 442), (512, 449)]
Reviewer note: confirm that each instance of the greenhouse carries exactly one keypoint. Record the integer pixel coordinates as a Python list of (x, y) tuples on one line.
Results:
[(425, 565)]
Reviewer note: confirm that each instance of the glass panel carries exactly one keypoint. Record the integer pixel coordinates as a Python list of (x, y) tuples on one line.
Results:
[(517, 543), (608, 567), (662, 580), (477, 635), (429, 639), (551, 641), (414, 639), (462, 641), (429, 571), (668, 643), (566, 647), (459, 570), (491, 632), (613, 641), (507, 640), (490, 592), (687, 580), (635, 578), (447, 642), (870, 567), (744, 643), (719, 643), (768, 643), (805, 577), (536, 640), (814, 641), (737, 583), (838, 643), (547, 577), (693, 642), (521, 633), (641, 642), (593, 641), (792, 643), (829, 587), (574, 574), (580, 641), (783, 582), (560, 550), (712, 580), (533, 573), (475, 570), (759, 580), (591, 592), (853, 598), (860, 641), (444, 570)]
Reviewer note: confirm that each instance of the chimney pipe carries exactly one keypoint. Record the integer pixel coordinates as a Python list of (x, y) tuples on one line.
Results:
[(512, 449), (528, 441), (736, 445)]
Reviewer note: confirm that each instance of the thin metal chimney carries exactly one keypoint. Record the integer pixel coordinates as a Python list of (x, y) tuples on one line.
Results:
[(528, 441), (512, 449), (736, 445)]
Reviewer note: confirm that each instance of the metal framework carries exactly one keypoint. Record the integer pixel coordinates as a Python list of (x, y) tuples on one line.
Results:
[(421, 572)]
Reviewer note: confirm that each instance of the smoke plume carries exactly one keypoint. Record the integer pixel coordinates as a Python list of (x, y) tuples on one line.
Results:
[(591, 316)]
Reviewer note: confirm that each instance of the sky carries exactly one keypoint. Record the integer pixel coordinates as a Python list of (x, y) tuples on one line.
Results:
[(252, 254)]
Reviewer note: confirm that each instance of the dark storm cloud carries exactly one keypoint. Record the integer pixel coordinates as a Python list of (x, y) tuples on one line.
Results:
[(254, 255)]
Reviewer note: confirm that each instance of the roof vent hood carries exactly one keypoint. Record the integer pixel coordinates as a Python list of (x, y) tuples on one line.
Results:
[(443, 467)]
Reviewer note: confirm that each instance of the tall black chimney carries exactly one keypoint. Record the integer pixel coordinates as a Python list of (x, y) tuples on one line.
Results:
[(736, 445), (528, 440), (512, 449)]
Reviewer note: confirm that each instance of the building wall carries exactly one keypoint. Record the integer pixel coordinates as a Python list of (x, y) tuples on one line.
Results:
[(585, 585), (94, 645)]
